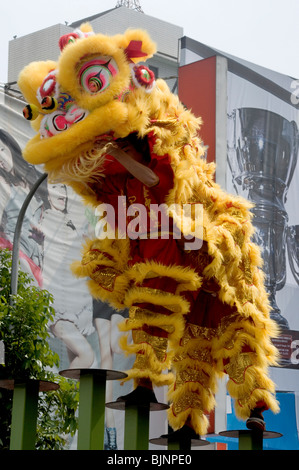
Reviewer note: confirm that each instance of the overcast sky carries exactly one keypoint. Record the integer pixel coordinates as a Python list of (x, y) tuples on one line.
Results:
[(265, 32)]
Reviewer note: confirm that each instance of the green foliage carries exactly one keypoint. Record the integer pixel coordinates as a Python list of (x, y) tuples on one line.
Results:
[(57, 419), (23, 329), (23, 326)]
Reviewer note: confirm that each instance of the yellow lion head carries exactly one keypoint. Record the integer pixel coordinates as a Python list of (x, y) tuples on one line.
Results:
[(85, 93), (99, 91)]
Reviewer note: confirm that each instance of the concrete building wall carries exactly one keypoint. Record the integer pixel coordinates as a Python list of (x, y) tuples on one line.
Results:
[(118, 20), (43, 44), (39, 45)]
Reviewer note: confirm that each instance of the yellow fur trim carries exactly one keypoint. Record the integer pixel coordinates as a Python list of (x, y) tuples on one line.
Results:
[(185, 277), (173, 324), (191, 402), (86, 27), (146, 350), (31, 78), (103, 261), (158, 380), (243, 409), (239, 333), (115, 298), (65, 145), (174, 303), (89, 48), (198, 420)]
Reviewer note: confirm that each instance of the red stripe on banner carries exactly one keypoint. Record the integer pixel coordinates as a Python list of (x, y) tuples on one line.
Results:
[(197, 91)]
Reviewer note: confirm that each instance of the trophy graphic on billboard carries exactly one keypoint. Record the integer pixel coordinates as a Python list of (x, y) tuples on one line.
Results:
[(262, 155)]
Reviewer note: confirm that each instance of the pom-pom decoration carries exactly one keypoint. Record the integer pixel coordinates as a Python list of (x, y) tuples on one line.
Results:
[(30, 112), (143, 77), (67, 39), (49, 104)]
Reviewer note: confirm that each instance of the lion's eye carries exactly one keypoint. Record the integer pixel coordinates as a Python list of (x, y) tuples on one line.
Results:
[(96, 75)]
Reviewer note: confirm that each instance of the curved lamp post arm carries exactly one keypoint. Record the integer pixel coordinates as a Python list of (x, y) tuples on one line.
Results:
[(17, 235)]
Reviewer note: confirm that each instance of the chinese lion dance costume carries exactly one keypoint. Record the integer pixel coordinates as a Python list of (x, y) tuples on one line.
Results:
[(106, 127)]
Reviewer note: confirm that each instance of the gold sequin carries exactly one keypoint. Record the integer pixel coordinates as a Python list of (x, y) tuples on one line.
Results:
[(197, 354), (192, 375), (142, 362), (137, 313), (89, 256), (198, 332), (243, 401), (105, 277), (237, 366), (158, 344), (188, 400), (194, 331), (246, 268), (92, 255)]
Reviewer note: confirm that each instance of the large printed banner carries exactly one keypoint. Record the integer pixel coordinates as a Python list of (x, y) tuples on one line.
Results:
[(259, 109), (262, 165), (250, 126), (84, 333)]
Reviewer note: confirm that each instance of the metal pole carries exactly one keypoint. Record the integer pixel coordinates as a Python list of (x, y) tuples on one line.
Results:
[(136, 427), (24, 415), (251, 440), (17, 235), (25, 397), (91, 424)]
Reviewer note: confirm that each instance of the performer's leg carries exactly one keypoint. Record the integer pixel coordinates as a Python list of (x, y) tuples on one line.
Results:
[(157, 309), (242, 350), (157, 321), (193, 393)]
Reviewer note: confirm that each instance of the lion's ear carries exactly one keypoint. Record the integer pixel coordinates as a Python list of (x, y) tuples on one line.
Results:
[(137, 45), (31, 78)]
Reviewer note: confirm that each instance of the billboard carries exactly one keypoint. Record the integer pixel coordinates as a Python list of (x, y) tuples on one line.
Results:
[(257, 111), (84, 332)]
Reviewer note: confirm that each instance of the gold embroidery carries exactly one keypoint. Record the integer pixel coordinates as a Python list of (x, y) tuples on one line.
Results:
[(158, 344), (89, 256), (194, 331), (105, 277), (188, 400), (137, 313), (243, 401), (239, 237), (202, 355), (93, 255), (141, 362), (246, 268), (198, 332), (191, 375), (237, 366)]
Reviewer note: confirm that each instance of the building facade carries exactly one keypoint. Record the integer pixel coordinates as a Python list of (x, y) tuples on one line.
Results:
[(43, 44)]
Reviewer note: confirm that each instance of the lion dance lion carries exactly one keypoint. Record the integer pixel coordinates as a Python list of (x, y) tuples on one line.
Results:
[(113, 132)]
